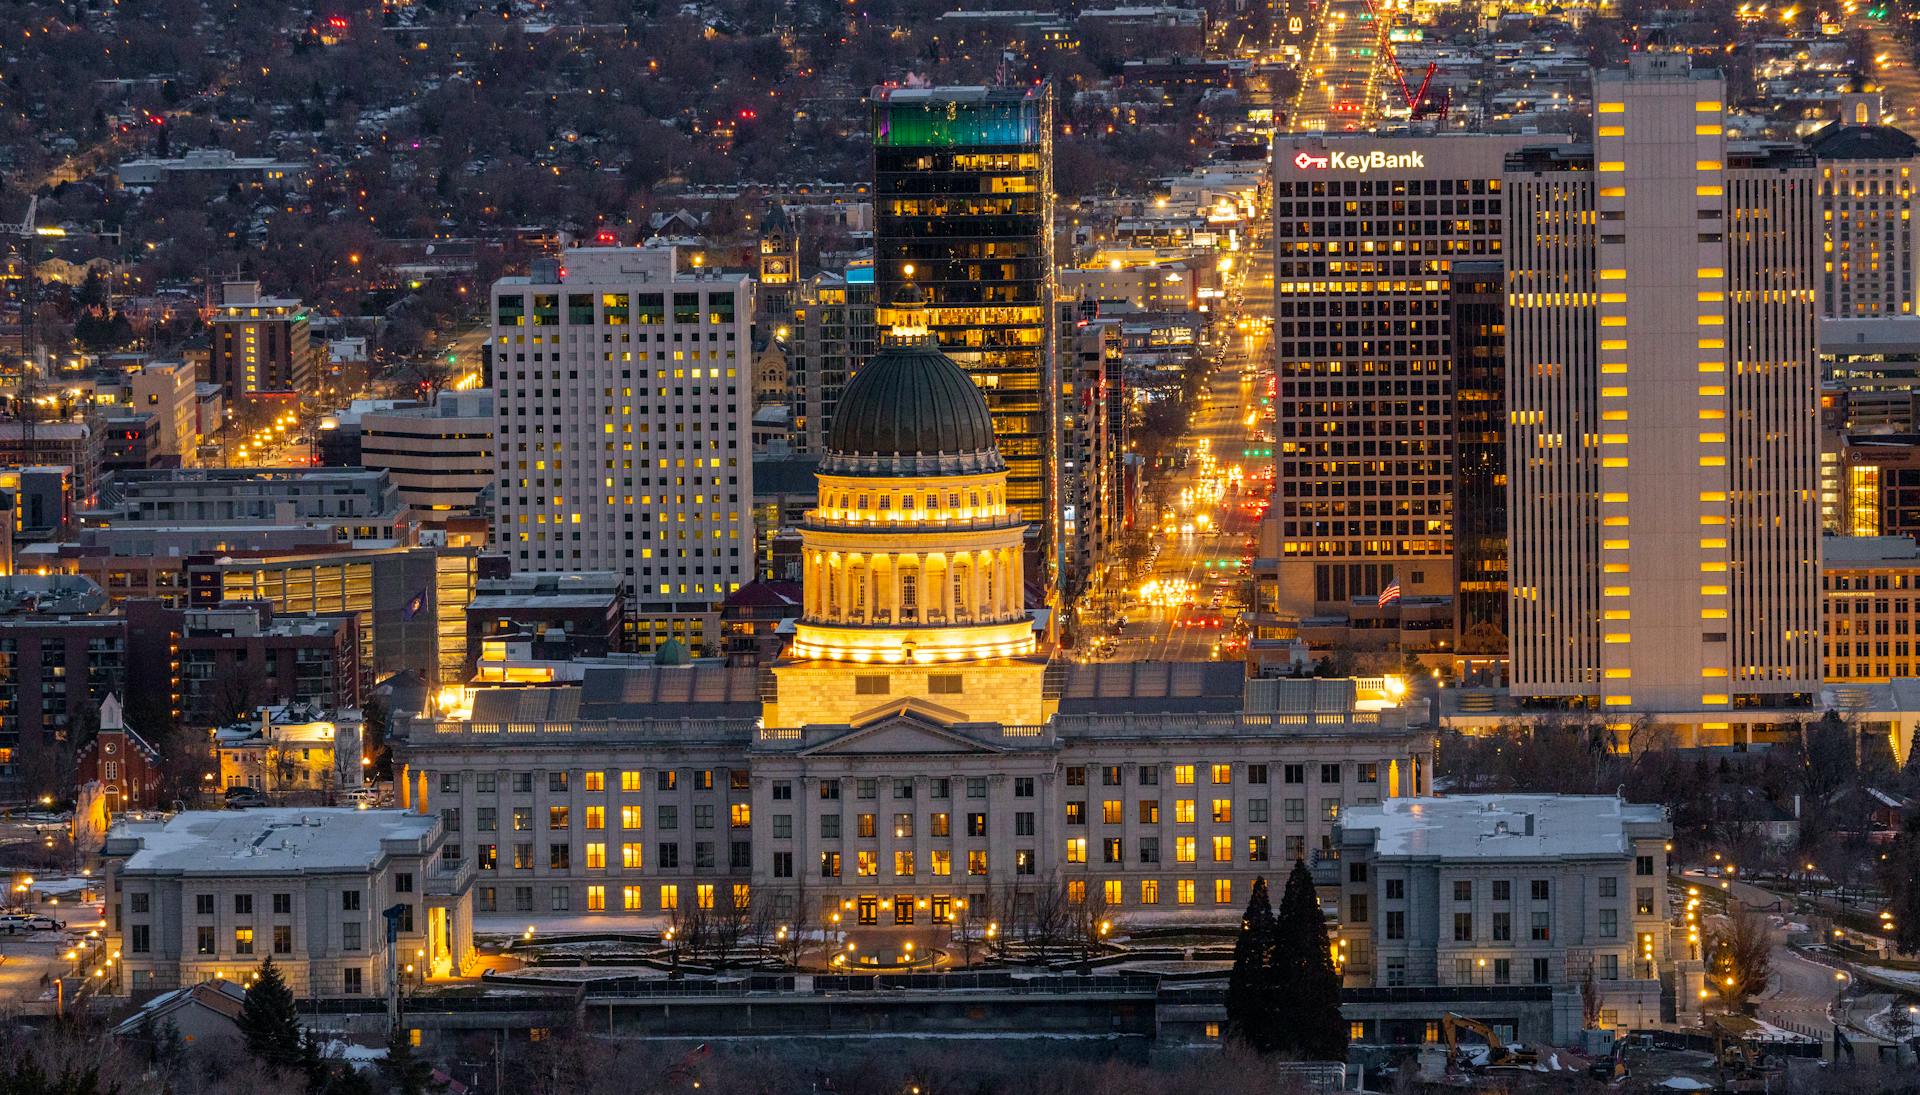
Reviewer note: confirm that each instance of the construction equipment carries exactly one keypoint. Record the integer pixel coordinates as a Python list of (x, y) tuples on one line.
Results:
[(1419, 105), (1732, 1051), (1452, 1023)]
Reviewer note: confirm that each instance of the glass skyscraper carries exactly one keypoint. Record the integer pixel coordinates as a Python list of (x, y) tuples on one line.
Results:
[(963, 209)]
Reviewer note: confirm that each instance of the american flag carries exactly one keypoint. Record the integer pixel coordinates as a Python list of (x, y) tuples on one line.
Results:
[(1391, 594)]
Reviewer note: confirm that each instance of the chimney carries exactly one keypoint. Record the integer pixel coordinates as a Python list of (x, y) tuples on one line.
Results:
[(1529, 818)]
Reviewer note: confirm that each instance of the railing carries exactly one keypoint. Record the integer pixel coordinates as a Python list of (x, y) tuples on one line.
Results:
[(910, 523), (444, 882), (645, 729), (1146, 723)]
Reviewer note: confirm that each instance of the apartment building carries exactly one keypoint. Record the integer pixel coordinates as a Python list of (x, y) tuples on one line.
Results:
[(623, 405), (261, 345)]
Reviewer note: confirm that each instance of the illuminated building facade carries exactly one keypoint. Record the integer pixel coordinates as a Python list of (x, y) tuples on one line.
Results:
[(963, 209), (622, 410), (1662, 374), (260, 346), (1366, 230), (1870, 596), (1866, 208), (779, 264), (915, 759)]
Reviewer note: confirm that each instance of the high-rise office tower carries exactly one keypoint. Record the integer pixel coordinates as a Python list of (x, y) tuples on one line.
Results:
[(1477, 312), (1661, 382), (622, 409), (1365, 231), (963, 209), (1867, 208)]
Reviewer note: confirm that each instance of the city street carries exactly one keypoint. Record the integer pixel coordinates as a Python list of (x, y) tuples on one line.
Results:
[(1203, 517), (1339, 90)]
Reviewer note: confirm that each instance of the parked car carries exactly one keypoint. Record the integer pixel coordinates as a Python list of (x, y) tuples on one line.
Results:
[(22, 922), (239, 798)]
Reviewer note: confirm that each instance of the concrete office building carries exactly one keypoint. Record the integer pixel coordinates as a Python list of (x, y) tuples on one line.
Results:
[(1366, 229), (440, 457), (1869, 375), (261, 347), (357, 503), (1480, 890), (622, 413), (211, 893), (963, 210), (1866, 208), (913, 757), (1661, 385)]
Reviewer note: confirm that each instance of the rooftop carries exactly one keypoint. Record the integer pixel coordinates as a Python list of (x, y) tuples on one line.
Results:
[(266, 841), (1867, 550), (1504, 826)]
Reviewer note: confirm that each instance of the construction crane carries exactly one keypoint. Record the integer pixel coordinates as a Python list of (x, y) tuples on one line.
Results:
[(32, 362), (1418, 105)]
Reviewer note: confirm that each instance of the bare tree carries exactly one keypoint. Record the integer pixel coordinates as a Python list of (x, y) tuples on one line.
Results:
[(1094, 922), (1739, 954)]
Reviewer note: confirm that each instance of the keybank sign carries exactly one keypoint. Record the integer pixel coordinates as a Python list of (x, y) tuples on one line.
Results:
[(1359, 163)]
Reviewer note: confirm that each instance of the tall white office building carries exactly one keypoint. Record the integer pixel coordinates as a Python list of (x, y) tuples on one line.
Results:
[(1662, 394), (622, 417)]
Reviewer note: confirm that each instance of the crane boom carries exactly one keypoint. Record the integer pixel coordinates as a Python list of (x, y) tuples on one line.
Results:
[(1415, 100)]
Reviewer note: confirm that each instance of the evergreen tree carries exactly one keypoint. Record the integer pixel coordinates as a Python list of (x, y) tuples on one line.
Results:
[(1901, 874), (1253, 1015), (407, 1073), (1303, 977), (270, 1023)]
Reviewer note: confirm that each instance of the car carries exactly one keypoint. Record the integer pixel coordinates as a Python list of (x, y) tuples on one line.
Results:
[(239, 798), (23, 922)]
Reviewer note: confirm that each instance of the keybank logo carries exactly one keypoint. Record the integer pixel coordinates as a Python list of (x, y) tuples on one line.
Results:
[(1359, 163)]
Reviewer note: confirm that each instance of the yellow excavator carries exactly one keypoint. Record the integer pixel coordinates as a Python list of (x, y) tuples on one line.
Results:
[(1740, 1067), (1497, 1052)]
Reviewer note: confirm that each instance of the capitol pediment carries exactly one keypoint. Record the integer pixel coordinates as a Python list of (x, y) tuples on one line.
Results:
[(906, 726)]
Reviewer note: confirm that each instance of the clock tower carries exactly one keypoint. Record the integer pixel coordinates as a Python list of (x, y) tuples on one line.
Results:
[(779, 264)]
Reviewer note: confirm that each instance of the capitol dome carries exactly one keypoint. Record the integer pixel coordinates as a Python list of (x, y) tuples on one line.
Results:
[(911, 411)]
